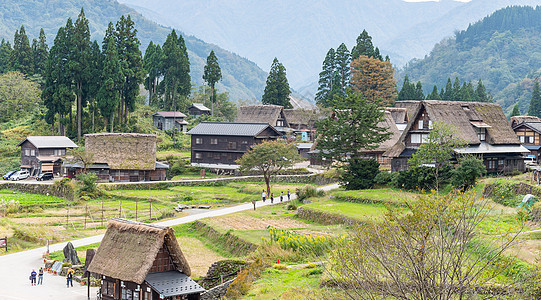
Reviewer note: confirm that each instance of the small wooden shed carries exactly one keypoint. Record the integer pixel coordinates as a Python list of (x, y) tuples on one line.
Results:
[(139, 261)]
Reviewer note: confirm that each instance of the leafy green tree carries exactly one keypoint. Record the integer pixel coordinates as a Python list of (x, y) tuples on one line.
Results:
[(535, 102), (434, 95), (79, 64), (465, 175), (131, 63), (5, 55), (437, 149), (277, 89), (18, 96), (41, 51), (360, 173), (175, 70), (342, 66), (515, 112), (326, 77), (212, 74), (21, 56), (108, 98), (354, 126), (269, 158)]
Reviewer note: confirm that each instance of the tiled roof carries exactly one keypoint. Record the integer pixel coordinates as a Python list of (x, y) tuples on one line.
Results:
[(50, 142), (231, 129)]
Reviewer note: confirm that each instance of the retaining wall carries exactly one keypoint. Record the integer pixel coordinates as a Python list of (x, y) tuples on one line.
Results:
[(325, 218), (63, 191)]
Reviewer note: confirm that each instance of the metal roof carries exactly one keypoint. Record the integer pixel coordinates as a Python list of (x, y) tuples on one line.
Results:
[(304, 145), (486, 148), (532, 147), (50, 142), (230, 129), (160, 165), (200, 106), (170, 114), (173, 283)]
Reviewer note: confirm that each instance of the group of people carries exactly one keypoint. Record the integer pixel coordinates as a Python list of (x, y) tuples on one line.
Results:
[(264, 196), (39, 276)]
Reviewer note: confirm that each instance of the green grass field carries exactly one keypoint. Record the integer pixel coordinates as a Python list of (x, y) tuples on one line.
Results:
[(25, 199)]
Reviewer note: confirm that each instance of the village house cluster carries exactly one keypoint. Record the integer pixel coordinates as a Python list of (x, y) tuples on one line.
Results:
[(118, 157)]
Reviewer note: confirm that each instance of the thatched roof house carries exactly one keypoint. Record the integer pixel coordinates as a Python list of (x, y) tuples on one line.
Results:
[(133, 256), (517, 120), (271, 114), (483, 126)]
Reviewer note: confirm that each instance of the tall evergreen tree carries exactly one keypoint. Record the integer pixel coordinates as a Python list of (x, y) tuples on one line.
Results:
[(364, 46), (151, 62), (277, 89), (342, 63), (434, 95), (108, 97), (481, 92), (131, 63), (326, 76), (175, 69), (212, 74), (515, 112), (95, 78), (21, 56), (5, 56), (408, 90), (419, 94), (535, 102), (79, 64), (456, 90), (41, 51), (448, 93)]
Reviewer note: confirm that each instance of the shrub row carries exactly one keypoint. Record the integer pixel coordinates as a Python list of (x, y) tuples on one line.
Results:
[(325, 218), (339, 196)]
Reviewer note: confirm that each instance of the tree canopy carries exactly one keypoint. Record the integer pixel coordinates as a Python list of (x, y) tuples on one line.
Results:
[(374, 79), (277, 89), (212, 74)]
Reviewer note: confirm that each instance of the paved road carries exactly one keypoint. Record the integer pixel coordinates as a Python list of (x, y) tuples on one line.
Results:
[(15, 268)]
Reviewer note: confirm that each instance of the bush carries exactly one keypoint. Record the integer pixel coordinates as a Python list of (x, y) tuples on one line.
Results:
[(420, 178), (465, 175), (505, 193), (383, 178), (308, 191), (281, 267), (360, 174), (241, 285)]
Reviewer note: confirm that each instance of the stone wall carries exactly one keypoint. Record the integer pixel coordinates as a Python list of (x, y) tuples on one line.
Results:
[(216, 292), (230, 242), (222, 270), (324, 218)]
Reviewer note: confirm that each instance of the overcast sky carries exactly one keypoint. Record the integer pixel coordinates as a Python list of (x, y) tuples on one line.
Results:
[(434, 0)]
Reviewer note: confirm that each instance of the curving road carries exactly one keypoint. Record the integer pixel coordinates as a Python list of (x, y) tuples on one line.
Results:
[(15, 268)]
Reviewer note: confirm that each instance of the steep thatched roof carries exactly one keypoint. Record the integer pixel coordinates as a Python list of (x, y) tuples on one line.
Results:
[(464, 117), (516, 120), (301, 116), (128, 250), (390, 125), (261, 113), (410, 105), (399, 114), (123, 151)]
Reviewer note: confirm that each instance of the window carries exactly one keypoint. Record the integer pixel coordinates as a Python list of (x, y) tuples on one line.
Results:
[(500, 162), (198, 141), (32, 152), (280, 123), (415, 138), (198, 155), (421, 124), (424, 138), (216, 155), (430, 125), (531, 139), (59, 152), (232, 145), (214, 141), (521, 139), (481, 133)]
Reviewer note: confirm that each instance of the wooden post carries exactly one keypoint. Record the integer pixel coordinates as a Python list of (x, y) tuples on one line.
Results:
[(88, 284), (120, 211), (150, 209), (136, 209), (102, 212), (86, 211)]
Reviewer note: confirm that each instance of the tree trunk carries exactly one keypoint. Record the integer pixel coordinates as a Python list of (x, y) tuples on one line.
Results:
[(212, 100), (267, 182), (79, 109)]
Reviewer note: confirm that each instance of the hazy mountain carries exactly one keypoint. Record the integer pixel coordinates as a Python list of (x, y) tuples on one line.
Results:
[(242, 78), (503, 50), (300, 32)]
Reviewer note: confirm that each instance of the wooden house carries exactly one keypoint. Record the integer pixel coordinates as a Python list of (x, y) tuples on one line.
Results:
[(270, 114), (483, 126), (516, 120), (44, 153), (218, 145), (139, 261), (167, 120), (198, 109), (303, 121), (121, 157), (378, 153), (529, 135)]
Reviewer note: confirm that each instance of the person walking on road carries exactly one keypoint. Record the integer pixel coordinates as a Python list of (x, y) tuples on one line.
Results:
[(69, 277), (264, 195), (281, 196), (272, 198), (33, 277), (288, 195), (40, 276)]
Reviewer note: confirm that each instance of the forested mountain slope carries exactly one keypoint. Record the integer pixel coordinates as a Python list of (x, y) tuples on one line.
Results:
[(503, 50), (242, 78)]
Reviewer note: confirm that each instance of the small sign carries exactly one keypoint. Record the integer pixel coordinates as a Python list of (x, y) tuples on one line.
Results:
[(4, 243)]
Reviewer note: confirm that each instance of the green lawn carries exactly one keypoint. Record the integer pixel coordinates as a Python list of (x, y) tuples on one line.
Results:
[(25, 199), (359, 211), (385, 195)]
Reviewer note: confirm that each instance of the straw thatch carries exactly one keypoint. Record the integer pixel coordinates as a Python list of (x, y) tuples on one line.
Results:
[(462, 116), (123, 151), (517, 120), (389, 124), (399, 114), (261, 113), (410, 106), (128, 250), (301, 117)]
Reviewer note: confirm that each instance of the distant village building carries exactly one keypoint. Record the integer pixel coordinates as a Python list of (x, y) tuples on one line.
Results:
[(121, 157), (218, 145), (400, 117), (167, 120), (303, 122), (198, 109), (528, 130), (271, 114), (44, 153), (483, 126), (144, 262)]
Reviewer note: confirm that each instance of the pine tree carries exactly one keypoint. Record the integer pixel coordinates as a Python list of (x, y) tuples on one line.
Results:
[(535, 102), (79, 64), (326, 77), (364, 46), (151, 68), (481, 92), (277, 89), (456, 90), (108, 98), (342, 67), (5, 54), (212, 74), (515, 112), (408, 90), (175, 70), (95, 81), (21, 56), (419, 94), (448, 93), (41, 51), (434, 95), (131, 63)]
